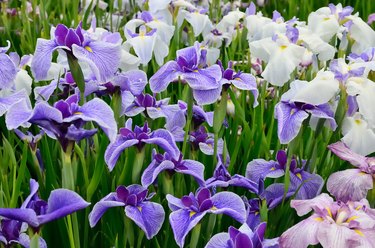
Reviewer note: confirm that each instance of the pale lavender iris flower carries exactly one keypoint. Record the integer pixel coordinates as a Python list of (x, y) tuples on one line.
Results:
[(332, 224), (190, 209), (351, 184), (149, 216)]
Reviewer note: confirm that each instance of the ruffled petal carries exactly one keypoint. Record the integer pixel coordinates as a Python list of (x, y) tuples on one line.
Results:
[(114, 150), (165, 140), (195, 169), (333, 235), (134, 81), (304, 206), (8, 71), (102, 57), (289, 121), (41, 61), (220, 240), (102, 206), (153, 170), (293, 237), (204, 97), (182, 222), (61, 203), (98, 111), (230, 204), (345, 153), (149, 216), (166, 74), (349, 185)]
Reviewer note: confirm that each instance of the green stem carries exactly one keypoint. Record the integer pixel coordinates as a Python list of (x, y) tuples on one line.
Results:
[(70, 232), (189, 118), (77, 75), (67, 169), (195, 236), (138, 164), (116, 106)]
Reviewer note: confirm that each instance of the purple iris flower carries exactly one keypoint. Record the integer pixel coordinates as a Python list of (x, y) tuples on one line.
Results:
[(65, 120), (165, 162), (149, 216), (133, 81), (204, 141), (176, 119), (199, 115), (18, 101), (290, 114), (68, 86), (190, 66), (351, 184), (242, 81), (36, 212), (332, 224), (190, 209), (139, 137), (303, 183), (134, 105), (8, 69), (222, 178), (253, 208), (14, 232), (102, 54), (243, 237)]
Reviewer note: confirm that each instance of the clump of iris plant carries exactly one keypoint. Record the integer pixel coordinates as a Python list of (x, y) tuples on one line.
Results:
[(190, 67), (102, 54), (35, 212), (190, 209), (149, 216)]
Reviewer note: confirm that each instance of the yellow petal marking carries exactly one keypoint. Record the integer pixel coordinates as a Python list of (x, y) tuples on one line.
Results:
[(192, 213), (140, 209), (352, 218), (320, 219), (299, 175), (359, 232), (88, 49), (329, 212), (283, 47), (78, 113)]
